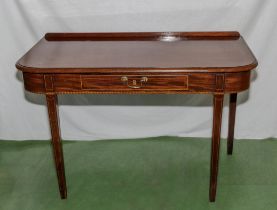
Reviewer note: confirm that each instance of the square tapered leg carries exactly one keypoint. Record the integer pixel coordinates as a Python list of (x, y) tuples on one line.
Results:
[(217, 116), (56, 142), (232, 118)]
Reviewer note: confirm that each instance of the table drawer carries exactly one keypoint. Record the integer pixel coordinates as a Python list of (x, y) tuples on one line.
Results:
[(134, 82)]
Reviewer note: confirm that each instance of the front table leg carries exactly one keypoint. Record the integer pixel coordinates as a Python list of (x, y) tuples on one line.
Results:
[(56, 142), (217, 114)]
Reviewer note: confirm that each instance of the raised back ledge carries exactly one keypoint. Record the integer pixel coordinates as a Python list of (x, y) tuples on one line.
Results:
[(143, 36)]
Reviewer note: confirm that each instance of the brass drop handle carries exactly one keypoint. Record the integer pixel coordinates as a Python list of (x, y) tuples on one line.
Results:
[(134, 85)]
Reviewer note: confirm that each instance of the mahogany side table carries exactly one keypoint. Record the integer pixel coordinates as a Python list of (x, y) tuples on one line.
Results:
[(214, 63)]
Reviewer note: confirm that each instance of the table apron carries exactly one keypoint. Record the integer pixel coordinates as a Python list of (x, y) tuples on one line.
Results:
[(185, 83)]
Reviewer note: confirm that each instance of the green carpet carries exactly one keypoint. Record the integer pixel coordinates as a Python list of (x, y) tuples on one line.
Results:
[(167, 173)]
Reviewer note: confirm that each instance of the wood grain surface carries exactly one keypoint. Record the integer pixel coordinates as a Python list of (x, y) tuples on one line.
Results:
[(139, 52)]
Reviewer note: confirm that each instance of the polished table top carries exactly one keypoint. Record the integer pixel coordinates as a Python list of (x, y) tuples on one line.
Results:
[(101, 52)]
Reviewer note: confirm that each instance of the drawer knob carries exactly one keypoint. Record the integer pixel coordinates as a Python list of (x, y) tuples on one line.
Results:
[(134, 82)]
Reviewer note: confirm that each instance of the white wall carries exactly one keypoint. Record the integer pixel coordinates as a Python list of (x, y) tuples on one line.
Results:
[(23, 115)]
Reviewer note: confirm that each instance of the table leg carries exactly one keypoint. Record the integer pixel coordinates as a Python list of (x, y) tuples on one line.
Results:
[(232, 118), (52, 101), (217, 115)]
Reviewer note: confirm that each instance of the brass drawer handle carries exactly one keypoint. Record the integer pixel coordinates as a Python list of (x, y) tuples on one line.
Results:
[(134, 85)]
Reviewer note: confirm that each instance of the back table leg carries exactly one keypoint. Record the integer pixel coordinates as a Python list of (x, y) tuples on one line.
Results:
[(217, 115), (232, 117), (56, 142)]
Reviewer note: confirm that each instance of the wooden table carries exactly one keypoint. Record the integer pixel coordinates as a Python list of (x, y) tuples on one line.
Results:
[(215, 63)]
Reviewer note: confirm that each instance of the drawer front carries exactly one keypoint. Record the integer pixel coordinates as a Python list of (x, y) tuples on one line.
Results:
[(134, 82)]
